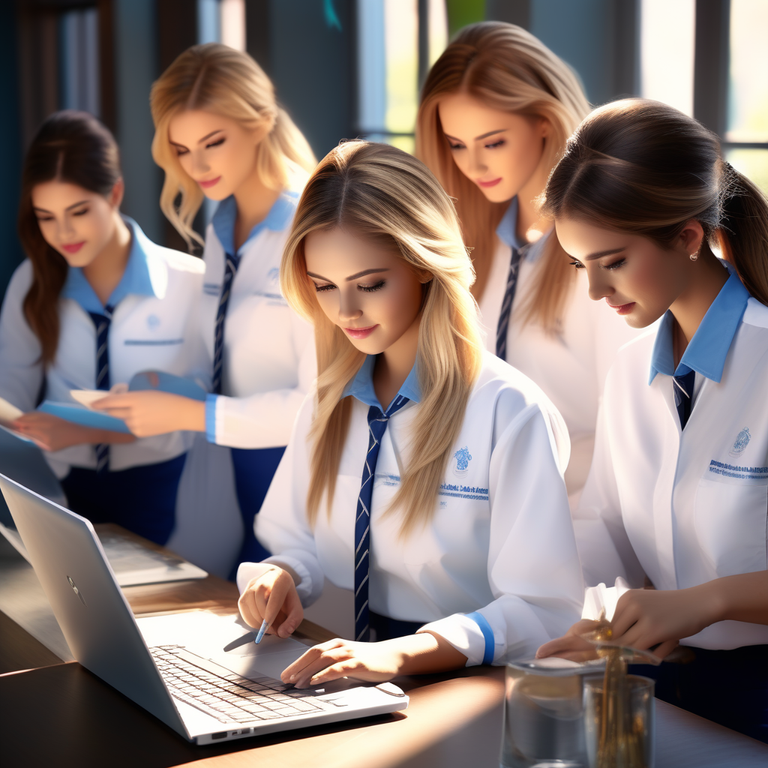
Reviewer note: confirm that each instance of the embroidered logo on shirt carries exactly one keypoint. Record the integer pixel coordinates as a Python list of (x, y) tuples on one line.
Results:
[(742, 441), (463, 458), (153, 321)]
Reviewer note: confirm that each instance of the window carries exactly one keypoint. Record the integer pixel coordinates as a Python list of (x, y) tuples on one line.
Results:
[(398, 40)]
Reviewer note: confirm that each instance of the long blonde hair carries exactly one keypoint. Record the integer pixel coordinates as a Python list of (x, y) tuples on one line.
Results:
[(377, 191), (643, 167), (508, 69), (216, 78)]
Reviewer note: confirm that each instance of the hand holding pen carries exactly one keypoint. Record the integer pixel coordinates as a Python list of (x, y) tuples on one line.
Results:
[(270, 602)]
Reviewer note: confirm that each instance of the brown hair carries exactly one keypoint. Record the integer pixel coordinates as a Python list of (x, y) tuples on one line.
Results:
[(508, 69), (380, 192), (72, 147), (216, 78), (643, 167)]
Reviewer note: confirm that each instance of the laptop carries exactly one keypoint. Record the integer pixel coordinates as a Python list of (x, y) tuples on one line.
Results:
[(206, 690), (132, 562)]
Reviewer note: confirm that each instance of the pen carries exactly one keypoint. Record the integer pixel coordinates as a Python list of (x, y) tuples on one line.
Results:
[(261, 631)]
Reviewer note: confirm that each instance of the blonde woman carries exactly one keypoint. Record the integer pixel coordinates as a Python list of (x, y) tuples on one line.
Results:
[(423, 474), (219, 133), (496, 110)]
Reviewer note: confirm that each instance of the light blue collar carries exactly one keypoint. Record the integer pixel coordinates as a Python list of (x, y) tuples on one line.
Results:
[(136, 279), (361, 387), (278, 218), (707, 350), (507, 233)]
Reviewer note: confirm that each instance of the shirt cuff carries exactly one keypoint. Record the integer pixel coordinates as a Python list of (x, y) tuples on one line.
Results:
[(466, 635), (210, 417)]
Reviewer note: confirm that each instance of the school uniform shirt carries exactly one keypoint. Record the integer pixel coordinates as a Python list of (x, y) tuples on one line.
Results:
[(569, 365), (268, 359), (684, 506), (500, 545), (154, 327)]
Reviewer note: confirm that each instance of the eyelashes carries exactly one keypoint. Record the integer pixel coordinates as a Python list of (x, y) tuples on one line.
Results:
[(494, 145), (365, 288), (217, 143), (612, 266), (46, 219)]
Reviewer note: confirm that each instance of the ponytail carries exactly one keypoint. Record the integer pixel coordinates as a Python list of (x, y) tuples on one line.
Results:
[(744, 228)]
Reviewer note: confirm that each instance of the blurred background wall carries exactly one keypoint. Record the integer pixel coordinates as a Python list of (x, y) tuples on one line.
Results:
[(348, 68)]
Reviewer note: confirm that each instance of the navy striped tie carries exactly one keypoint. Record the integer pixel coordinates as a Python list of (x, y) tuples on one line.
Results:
[(230, 269), (377, 426), (101, 324), (506, 305), (683, 387)]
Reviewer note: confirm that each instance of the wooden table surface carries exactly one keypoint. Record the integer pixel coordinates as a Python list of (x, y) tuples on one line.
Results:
[(54, 713)]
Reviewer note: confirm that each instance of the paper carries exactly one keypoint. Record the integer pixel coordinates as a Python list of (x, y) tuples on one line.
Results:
[(9, 412), (87, 396)]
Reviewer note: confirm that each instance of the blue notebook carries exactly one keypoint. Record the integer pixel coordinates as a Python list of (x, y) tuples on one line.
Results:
[(166, 382)]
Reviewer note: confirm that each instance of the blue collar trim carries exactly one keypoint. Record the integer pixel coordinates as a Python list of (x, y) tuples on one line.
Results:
[(277, 220), (507, 229), (137, 278), (361, 386), (709, 346), (507, 233)]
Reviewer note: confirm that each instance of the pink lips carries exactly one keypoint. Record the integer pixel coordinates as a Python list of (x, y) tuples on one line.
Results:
[(487, 184), (360, 333), (209, 183), (622, 309), (73, 247)]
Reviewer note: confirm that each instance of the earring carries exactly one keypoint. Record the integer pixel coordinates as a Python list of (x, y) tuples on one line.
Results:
[(695, 255)]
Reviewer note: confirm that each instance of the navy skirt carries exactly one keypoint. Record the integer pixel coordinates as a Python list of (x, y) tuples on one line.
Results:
[(728, 687), (254, 470), (141, 499)]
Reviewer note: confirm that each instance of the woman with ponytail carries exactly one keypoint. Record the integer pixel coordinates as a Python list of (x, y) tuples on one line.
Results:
[(677, 498), (424, 475), (219, 133)]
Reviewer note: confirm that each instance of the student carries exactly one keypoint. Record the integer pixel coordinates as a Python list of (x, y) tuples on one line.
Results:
[(678, 488), (457, 455), (95, 303), (219, 133), (496, 110)]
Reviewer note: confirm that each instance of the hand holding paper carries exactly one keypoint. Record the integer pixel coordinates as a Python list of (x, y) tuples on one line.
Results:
[(156, 403)]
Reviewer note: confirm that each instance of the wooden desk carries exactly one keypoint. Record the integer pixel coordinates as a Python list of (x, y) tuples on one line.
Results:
[(60, 714)]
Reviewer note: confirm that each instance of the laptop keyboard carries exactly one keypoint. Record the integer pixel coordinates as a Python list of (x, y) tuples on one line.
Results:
[(228, 697)]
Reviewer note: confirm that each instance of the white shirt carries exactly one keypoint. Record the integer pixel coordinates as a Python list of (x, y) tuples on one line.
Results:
[(154, 327), (684, 506), (571, 365), (500, 544), (269, 358)]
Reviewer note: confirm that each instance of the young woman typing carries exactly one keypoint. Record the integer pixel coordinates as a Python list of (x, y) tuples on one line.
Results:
[(423, 474)]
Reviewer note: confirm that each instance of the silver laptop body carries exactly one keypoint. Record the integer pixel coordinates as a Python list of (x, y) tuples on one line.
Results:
[(104, 637), (23, 462)]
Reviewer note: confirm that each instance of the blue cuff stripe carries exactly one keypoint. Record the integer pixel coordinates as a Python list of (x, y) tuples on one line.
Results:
[(485, 628), (210, 417)]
